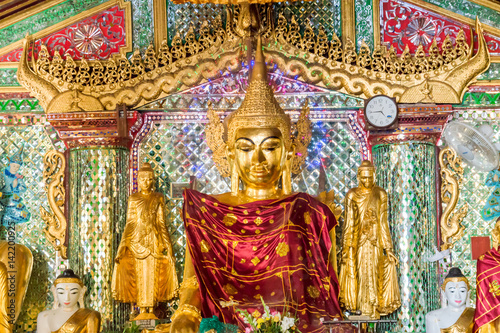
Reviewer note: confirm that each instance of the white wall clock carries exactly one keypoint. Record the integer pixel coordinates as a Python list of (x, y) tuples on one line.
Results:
[(381, 112)]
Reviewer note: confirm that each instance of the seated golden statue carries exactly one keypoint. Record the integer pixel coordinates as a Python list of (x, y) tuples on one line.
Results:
[(455, 317), (368, 277), (260, 240), (67, 316), (16, 263), (144, 272)]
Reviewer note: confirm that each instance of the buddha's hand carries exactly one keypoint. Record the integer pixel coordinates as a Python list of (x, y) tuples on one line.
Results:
[(185, 323), (392, 257)]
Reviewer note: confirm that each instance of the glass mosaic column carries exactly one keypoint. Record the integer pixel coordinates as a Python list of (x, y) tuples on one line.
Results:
[(98, 190), (407, 171), (98, 200)]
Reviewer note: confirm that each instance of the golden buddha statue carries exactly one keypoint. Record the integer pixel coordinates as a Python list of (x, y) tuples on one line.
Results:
[(144, 271), (260, 239), (455, 317), (16, 264), (67, 316), (368, 277)]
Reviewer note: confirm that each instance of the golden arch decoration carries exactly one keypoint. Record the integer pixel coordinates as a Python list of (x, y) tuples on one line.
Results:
[(441, 76)]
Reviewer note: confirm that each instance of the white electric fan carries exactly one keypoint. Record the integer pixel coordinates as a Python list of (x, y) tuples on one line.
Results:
[(473, 145)]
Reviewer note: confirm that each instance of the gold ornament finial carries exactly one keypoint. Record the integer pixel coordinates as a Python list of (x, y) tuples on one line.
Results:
[(259, 109)]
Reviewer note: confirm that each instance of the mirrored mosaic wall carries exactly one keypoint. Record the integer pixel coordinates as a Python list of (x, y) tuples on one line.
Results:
[(407, 171), (34, 142), (475, 193), (178, 151)]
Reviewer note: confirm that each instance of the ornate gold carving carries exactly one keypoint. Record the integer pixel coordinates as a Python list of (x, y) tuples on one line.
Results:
[(138, 80), (440, 77), (53, 174), (451, 178)]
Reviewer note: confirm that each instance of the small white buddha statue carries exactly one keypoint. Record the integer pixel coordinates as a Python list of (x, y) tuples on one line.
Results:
[(67, 316), (455, 317)]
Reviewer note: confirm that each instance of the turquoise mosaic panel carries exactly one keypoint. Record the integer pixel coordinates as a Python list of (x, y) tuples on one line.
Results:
[(471, 10), (35, 143), (407, 172), (142, 24), (325, 13), (178, 151), (8, 77), (364, 22), (99, 185), (181, 17)]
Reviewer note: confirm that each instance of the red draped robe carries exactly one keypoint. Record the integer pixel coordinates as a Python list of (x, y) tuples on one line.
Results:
[(274, 249), (488, 292)]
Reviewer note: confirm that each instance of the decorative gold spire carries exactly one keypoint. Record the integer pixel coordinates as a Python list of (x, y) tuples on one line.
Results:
[(259, 109)]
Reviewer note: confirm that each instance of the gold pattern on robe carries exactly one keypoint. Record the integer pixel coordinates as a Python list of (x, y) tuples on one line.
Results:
[(464, 324), (282, 249), (82, 321), (230, 289), (258, 221), (229, 220), (204, 246), (313, 291), (255, 261), (307, 218)]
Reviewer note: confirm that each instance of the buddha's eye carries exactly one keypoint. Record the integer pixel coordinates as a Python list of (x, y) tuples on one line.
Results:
[(244, 147)]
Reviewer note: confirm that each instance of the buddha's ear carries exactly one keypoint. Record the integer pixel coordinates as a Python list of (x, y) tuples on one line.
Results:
[(56, 301), (82, 297)]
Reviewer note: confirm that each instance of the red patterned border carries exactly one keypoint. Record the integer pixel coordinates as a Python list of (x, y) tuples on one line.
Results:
[(96, 37), (406, 24)]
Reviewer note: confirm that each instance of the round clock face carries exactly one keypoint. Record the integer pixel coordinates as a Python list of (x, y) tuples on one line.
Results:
[(381, 111)]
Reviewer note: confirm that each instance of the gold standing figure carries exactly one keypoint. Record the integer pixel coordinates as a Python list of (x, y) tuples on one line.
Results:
[(144, 272), (368, 277)]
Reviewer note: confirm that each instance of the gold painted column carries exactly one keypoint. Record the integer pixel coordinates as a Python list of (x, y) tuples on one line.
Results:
[(348, 21), (160, 22), (98, 183)]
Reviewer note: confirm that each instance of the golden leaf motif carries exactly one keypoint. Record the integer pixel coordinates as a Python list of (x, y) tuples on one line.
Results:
[(255, 261), (282, 249), (204, 246), (258, 221), (229, 220), (230, 289), (203, 209)]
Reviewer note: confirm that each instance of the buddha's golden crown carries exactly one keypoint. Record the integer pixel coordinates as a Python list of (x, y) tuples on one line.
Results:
[(259, 109)]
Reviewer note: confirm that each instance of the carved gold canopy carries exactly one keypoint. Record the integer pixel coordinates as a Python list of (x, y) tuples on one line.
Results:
[(437, 75)]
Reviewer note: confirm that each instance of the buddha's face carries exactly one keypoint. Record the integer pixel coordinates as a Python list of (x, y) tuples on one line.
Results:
[(68, 294), (259, 154), (366, 179), (145, 180), (456, 293)]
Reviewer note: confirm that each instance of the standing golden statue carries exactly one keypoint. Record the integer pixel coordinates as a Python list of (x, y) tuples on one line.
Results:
[(16, 264), (368, 277), (144, 272), (260, 241), (69, 314)]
